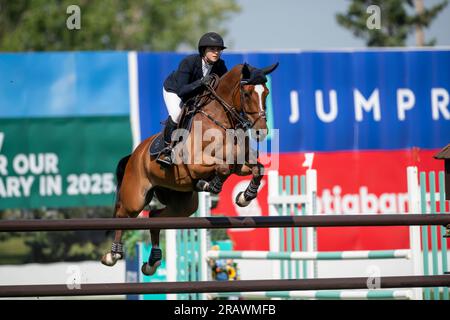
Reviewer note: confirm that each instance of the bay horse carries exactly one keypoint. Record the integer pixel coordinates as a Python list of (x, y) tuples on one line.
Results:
[(234, 104)]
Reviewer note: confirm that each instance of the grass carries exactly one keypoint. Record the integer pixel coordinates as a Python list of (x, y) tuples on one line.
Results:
[(13, 251)]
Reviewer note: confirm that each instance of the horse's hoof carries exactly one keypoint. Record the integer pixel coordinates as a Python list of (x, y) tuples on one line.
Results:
[(240, 200), (150, 270), (110, 259)]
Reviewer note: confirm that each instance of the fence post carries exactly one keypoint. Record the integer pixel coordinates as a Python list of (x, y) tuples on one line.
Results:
[(274, 233), (443, 230), (311, 209), (202, 238), (414, 231), (171, 259)]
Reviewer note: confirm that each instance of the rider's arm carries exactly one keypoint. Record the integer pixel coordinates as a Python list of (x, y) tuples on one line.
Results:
[(184, 74), (222, 68), (188, 88)]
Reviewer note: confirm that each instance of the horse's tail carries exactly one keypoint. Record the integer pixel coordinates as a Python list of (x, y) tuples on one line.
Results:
[(120, 172)]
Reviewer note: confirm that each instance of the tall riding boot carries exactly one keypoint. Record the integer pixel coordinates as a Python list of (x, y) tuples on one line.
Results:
[(165, 157)]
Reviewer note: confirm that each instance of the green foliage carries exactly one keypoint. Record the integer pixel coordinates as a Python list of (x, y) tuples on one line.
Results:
[(24, 247), (40, 25), (66, 246), (131, 237), (219, 234), (398, 20), (13, 250)]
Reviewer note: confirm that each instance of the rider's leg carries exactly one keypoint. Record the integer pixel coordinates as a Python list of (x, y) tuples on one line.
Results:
[(173, 107), (165, 157), (173, 103)]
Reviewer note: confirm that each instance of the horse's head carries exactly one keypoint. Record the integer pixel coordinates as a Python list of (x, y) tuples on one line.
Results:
[(253, 94)]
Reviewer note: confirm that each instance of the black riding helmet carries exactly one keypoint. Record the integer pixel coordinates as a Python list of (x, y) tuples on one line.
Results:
[(210, 39)]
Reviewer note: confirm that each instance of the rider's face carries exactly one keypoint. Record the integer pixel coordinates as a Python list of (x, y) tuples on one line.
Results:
[(212, 54)]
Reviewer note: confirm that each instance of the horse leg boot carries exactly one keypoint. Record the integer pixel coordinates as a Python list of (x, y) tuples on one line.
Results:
[(109, 259), (243, 199), (216, 183), (154, 260), (213, 186), (116, 253), (165, 157)]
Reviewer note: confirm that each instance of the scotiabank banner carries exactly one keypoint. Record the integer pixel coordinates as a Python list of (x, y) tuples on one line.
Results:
[(349, 182), (366, 115)]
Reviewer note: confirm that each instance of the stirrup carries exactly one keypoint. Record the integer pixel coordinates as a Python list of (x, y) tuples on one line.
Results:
[(165, 158), (164, 162)]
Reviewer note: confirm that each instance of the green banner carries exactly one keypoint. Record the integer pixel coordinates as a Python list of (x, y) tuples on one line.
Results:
[(61, 162)]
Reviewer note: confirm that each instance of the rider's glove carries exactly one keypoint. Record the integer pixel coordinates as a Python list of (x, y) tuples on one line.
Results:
[(206, 79)]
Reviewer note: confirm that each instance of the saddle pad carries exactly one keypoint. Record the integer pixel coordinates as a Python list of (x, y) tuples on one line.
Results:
[(157, 145)]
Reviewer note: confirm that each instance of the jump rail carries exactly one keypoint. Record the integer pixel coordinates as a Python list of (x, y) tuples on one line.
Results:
[(354, 220), (316, 255), (222, 286)]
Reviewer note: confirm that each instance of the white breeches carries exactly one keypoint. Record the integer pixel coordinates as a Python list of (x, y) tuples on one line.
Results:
[(173, 102)]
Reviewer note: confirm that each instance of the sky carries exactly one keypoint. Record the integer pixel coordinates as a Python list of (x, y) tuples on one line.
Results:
[(307, 25)]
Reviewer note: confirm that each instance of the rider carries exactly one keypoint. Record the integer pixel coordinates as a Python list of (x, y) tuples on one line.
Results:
[(193, 73)]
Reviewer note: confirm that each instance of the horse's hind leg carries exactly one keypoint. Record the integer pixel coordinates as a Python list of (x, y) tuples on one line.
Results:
[(180, 204), (110, 258), (135, 204)]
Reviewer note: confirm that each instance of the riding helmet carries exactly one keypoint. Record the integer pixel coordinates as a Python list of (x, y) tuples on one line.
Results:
[(210, 39)]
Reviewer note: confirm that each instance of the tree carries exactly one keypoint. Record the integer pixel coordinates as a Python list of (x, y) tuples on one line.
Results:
[(398, 19), (38, 247), (156, 25)]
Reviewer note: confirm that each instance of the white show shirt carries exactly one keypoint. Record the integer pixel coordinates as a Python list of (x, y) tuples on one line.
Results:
[(206, 67)]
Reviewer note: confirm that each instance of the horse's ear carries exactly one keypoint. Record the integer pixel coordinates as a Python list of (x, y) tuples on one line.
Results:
[(246, 73), (269, 69)]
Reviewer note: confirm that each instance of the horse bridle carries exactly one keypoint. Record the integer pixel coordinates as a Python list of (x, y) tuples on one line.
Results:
[(239, 120), (261, 113)]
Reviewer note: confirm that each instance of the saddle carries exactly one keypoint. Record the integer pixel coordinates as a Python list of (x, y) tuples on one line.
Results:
[(188, 111)]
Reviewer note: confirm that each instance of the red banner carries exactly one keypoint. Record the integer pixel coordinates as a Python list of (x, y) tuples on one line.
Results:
[(348, 183)]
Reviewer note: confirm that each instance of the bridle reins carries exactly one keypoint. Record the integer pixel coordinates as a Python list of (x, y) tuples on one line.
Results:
[(239, 120)]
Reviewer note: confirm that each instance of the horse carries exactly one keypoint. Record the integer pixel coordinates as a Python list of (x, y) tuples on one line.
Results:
[(235, 103)]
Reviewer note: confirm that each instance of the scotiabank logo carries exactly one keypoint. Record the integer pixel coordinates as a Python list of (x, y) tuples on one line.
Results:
[(335, 201)]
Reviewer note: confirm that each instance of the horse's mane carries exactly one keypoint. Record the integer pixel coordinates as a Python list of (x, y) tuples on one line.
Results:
[(230, 78), (249, 74), (235, 71)]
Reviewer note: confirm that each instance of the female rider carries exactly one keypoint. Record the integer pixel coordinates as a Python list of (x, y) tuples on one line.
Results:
[(188, 80)]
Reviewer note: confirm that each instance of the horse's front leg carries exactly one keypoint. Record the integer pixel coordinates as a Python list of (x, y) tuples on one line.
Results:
[(244, 198), (222, 172)]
